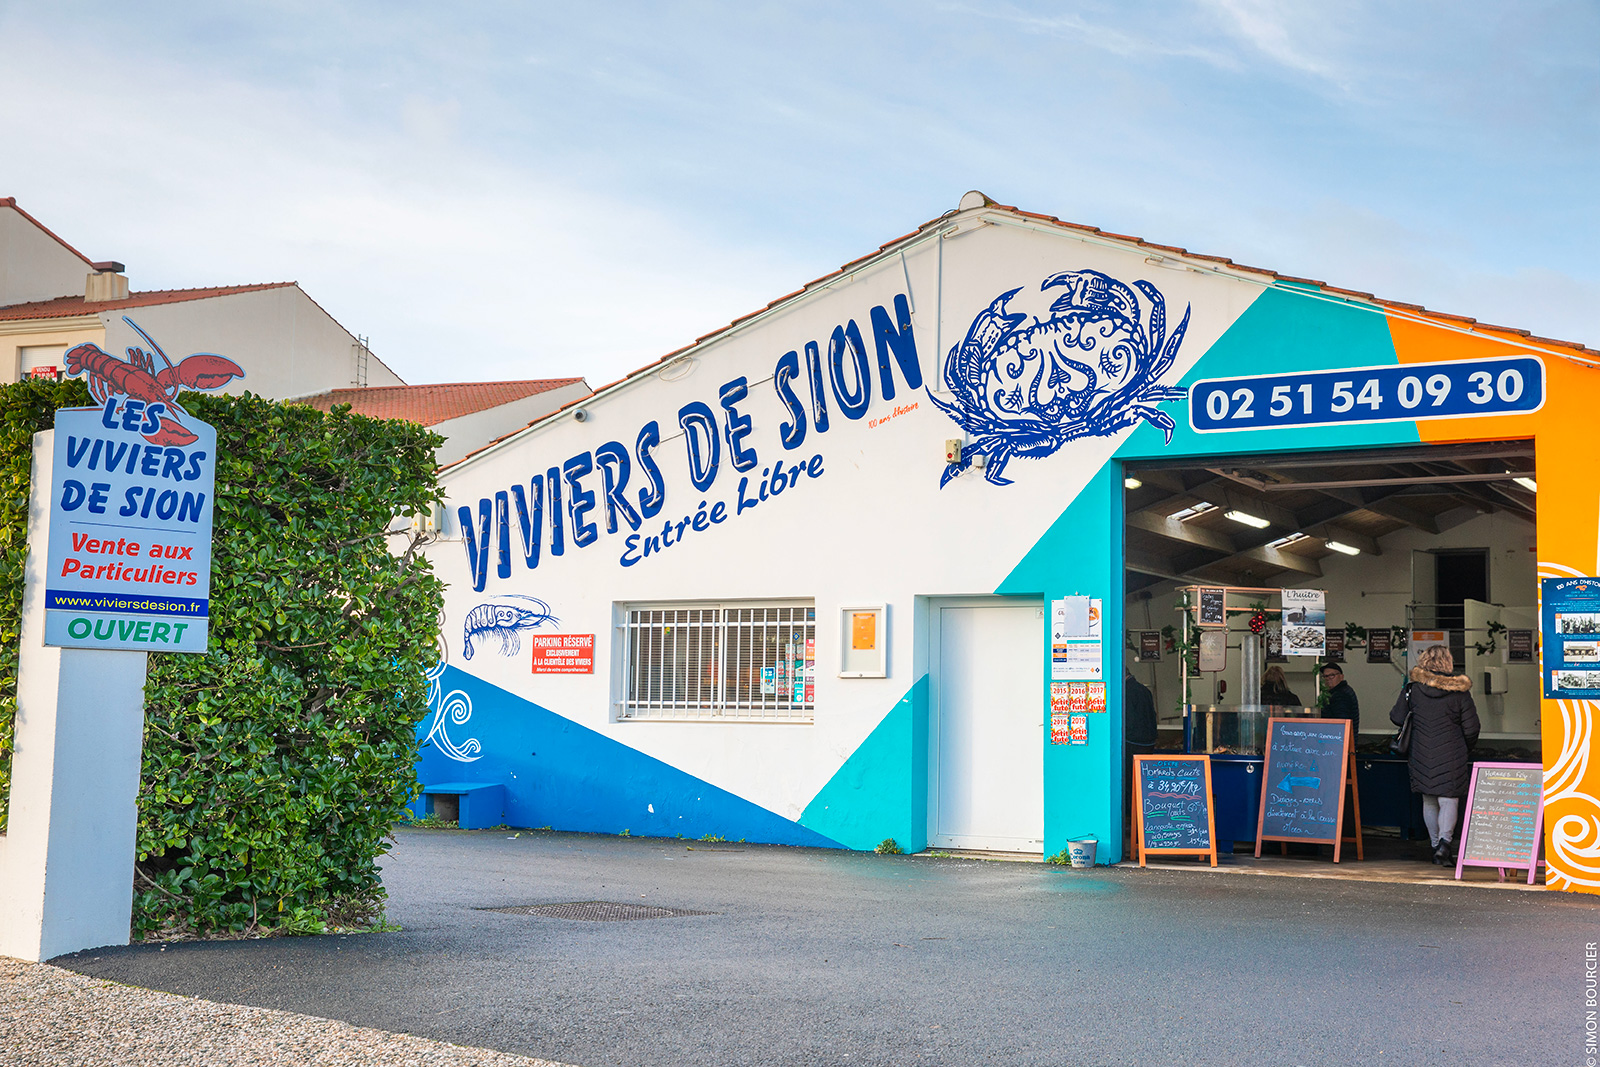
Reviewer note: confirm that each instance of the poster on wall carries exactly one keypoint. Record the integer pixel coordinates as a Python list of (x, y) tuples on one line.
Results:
[(1305, 621), (1570, 619), (1275, 645), (1213, 607), (1380, 646), (1519, 646), (1335, 646), (1076, 651), (1078, 731), (1149, 646), (1419, 641)]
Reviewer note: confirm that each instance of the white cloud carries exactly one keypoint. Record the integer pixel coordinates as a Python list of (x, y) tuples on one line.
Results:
[(455, 265)]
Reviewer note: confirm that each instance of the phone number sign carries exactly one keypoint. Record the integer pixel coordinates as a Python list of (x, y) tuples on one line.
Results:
[(1396, 393)]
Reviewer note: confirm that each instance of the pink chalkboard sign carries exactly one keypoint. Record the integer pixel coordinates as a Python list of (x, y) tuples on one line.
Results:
[(1505, 818)]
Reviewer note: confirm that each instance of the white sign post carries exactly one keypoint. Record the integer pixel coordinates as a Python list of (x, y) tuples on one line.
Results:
[(119, 561)]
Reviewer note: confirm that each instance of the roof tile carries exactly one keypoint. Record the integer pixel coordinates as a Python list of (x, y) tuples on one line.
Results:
[(65, 306), (430, 405)]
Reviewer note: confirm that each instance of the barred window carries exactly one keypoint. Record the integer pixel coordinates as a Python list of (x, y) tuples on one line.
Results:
[(754, 662)]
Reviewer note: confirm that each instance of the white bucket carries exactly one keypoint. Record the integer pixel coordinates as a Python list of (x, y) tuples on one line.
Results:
[(1082, 852)]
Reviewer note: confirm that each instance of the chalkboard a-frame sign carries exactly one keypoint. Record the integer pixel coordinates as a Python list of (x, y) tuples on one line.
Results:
[(1172, 807), (1505, 818), (1307, 773)]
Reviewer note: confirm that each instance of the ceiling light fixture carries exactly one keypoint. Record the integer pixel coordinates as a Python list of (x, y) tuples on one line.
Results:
[(1346, 549), (1248, 519), (1288, 540), (1527, 483), (1131, 483)]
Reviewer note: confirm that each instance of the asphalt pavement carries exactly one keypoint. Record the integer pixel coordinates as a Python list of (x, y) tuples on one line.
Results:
[(819, 957)]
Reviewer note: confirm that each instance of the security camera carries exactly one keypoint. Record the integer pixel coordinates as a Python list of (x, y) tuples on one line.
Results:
[(580, 415)]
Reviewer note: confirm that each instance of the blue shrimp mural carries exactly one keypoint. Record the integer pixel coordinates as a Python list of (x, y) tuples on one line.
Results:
[(505, 617), (1091, 368)]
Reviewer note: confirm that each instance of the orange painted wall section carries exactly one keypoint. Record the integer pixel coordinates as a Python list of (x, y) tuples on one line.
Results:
[(1564, 432)]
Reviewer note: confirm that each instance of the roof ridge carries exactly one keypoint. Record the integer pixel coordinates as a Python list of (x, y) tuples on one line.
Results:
[(11, 202), (1416, 310)]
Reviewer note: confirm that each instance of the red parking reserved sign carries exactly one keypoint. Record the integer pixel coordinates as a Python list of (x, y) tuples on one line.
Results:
[(563, 653)]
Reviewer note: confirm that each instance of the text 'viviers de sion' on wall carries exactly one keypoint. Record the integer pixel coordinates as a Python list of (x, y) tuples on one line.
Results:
[(559, 501)]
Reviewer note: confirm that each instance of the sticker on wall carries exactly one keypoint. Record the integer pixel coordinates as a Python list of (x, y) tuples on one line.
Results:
[(1097, 696), (1024, 385), (1060, 713), (1078, 730), (562, 653), (504, 618)]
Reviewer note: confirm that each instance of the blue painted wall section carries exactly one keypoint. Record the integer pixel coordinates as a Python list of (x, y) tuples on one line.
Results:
[(882, 789), (1081, 555), (1282, 329), (562, 774)]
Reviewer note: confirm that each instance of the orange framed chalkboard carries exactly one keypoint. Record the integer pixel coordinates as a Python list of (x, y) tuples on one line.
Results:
[(1307, 773), (1172, 809)]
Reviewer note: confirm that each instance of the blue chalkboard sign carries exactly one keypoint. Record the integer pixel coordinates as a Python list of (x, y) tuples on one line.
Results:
[(1172, 806), (1306, 774)]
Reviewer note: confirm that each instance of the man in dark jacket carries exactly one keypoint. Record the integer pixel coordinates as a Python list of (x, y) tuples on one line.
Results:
[(1138, 734), (1342, 702)]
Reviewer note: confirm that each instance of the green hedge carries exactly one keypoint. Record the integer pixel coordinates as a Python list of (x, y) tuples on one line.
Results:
[(275, 764)]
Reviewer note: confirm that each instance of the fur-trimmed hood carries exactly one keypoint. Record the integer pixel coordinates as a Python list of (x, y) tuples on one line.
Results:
[(1453, 683)]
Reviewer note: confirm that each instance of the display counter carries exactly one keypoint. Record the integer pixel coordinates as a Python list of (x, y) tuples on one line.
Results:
[(1235, 738)]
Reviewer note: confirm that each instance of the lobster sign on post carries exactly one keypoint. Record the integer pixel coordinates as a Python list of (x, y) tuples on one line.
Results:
[(129, 560)]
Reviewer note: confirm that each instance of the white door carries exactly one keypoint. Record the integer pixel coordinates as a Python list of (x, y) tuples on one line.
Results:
[(988, 725)]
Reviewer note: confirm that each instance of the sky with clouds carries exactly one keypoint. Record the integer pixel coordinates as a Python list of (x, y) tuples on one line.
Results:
[(509, 190)]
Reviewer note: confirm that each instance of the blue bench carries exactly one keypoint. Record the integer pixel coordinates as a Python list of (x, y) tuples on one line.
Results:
[(479, 805)]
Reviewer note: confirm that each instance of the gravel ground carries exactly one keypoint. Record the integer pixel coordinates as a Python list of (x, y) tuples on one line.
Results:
[(52, 1016)]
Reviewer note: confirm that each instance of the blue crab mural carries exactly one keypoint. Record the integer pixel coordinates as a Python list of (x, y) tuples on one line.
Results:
[(1091, 368)]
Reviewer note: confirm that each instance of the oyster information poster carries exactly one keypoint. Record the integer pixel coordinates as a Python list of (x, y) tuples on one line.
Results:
[(128, 561), (1305, 622)]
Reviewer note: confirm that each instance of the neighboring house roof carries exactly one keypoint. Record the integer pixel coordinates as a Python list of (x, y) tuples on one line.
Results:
[(11, 202), (66, 306), (430, 405), (1159, 253)]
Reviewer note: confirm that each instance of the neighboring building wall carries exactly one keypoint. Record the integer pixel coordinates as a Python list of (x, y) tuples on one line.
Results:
[(287, 345), (15, 336), (470, 432), (35, 265)]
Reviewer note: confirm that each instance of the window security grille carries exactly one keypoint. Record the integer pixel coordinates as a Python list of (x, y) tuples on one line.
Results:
[(749, 662)]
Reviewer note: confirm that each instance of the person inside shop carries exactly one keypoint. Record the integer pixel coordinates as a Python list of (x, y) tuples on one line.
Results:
[(1444, 727), (1342, 701), (1138, 734), (1275, 689)]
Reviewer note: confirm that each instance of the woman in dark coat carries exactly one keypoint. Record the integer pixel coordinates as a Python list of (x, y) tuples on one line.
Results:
[(1444, 727)]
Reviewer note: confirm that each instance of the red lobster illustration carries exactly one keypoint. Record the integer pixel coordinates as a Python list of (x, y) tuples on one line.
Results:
[(137, 378)]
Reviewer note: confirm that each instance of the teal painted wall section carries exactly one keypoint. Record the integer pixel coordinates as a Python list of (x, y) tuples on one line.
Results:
[(1081, 555), (882, 789), (1282, 330)]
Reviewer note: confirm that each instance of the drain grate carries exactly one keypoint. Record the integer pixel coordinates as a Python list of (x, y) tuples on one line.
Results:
[(598, 911)]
